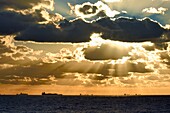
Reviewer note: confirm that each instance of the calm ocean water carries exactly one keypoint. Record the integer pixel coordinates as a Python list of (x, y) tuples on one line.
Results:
[(84, 104)]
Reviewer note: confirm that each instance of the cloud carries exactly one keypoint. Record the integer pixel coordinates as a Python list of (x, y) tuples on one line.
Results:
[(71, 33), (167, 26), (140, 67), (50, 18), (41, 23), (101, 60), (160, 10), (122, 29), (31, 4), (134, 9), (132, 57), (115, 50), (11, 53), (115, 63), (18, 16), (88, 10), (12, 22)]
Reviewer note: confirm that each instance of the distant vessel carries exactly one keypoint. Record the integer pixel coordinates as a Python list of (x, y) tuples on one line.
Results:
[(43, 93)]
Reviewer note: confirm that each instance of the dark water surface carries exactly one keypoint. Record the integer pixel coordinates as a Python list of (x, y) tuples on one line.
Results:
[(84, 104)]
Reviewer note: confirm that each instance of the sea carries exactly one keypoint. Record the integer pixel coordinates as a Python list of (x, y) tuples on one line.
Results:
[(84, 104)]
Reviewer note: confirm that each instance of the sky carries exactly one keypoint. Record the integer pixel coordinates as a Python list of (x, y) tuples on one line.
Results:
[(101, 47)]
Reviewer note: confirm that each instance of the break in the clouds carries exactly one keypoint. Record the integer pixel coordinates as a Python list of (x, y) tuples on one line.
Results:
[(116, 63)]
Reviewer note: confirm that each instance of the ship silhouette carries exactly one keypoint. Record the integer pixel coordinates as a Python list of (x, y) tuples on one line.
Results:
[(44, 93)]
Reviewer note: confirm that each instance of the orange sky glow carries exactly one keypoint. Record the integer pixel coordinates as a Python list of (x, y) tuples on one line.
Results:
[(76, 90)]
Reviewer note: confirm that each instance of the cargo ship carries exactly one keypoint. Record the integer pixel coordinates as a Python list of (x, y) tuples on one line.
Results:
[(56, 94)]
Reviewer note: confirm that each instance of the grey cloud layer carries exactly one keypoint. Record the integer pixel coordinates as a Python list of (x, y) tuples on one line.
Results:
[(12, 22), (122, 29), (16, 16), (41, 26)]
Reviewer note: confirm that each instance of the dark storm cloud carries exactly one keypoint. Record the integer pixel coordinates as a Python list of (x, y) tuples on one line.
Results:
[(122, 29), (39, 25), (126, 29), (79, 31), (13, 22), (16, 16)]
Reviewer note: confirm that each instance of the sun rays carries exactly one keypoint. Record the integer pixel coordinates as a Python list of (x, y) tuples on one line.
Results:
[(85, 45)]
